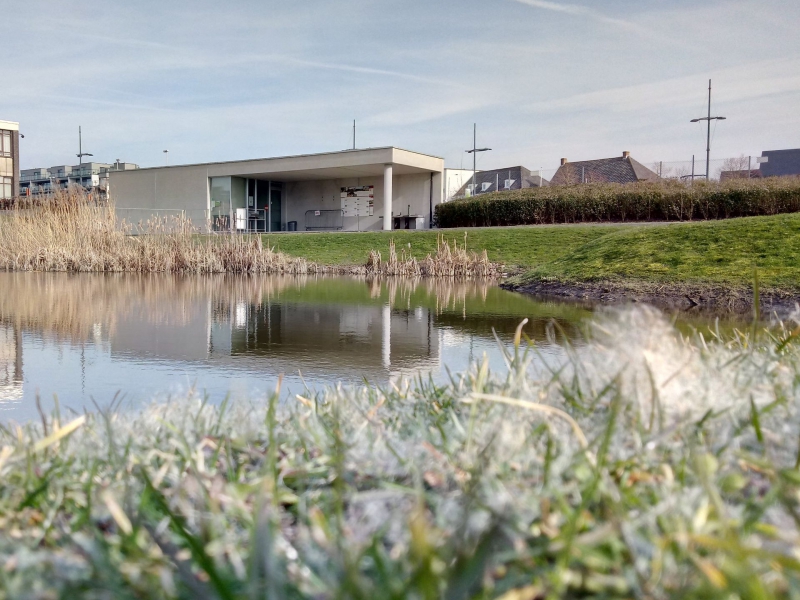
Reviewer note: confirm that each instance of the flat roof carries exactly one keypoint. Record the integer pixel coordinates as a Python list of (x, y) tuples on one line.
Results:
[(292, 156), (343, 164), (9, 125)]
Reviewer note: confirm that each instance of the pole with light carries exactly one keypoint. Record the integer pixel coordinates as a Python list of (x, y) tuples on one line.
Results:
[(474, 152), (708, 119), (80, 155), (166, 157)]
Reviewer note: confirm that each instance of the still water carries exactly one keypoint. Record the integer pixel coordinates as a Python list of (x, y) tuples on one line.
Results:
[(91, 340)]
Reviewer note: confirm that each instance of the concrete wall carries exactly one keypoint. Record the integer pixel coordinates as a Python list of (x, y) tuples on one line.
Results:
[(137, 192)]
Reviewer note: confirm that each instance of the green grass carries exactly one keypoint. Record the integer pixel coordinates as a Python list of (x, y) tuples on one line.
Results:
[(703, 252), (640, 465), (711, 252), (515, 247)]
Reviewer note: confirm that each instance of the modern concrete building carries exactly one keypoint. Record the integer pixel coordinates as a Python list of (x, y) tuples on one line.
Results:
[(9, 160), (351, 190), (93, 176)]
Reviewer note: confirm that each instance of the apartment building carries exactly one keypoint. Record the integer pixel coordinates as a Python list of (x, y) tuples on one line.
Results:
[(92, 176), (9, 159)]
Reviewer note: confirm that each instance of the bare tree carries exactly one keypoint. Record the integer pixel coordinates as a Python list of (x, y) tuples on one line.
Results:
[(735, 168)]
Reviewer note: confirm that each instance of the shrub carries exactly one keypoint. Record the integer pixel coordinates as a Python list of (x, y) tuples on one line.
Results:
[(647, 201)]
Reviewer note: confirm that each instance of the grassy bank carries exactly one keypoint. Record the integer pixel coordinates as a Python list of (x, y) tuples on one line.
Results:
[(644, 465), (515, 247), (707, 253)]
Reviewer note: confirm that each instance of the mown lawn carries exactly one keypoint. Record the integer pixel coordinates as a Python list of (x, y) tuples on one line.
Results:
[(716, 252), (516, 247)]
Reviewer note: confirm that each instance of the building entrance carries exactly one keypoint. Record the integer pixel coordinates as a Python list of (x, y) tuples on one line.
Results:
[(264, 199)]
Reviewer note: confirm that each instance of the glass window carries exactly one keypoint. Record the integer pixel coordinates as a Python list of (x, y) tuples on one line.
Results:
[(5, 143), (5, 187), (220, 202)]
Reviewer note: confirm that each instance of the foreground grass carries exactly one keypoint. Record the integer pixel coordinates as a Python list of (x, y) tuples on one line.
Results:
[(645, 465)]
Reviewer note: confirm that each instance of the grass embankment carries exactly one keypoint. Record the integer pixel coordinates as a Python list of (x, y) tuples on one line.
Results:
[(721, 253), (641, 466), (517, 248)]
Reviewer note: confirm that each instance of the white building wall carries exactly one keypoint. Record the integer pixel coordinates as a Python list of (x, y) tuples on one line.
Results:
[(454, 180), (171, 190)]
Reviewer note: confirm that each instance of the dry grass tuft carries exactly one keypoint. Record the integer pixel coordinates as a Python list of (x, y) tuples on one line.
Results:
[(67, 232), (456, 262)]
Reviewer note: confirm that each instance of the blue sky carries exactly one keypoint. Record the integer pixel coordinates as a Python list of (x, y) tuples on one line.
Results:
[(542, 78)]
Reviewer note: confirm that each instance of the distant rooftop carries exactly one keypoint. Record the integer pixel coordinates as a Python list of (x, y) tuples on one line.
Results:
[(620, 169)]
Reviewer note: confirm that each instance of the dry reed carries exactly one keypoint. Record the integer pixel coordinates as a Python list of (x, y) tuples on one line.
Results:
[(68, 233)]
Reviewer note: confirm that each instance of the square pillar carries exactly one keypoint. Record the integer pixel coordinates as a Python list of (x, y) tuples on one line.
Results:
[(387, 197)]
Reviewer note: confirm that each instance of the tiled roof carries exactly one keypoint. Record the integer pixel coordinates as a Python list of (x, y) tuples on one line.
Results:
[(490, 180), (742, 174), (604, 170)]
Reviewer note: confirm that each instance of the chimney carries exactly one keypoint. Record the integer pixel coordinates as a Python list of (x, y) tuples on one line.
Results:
[(563, 161), (626, 154)]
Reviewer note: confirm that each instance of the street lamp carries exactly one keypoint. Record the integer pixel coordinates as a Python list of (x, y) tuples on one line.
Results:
[(80, 156), (474, 152), (166, 157), (708, 119)]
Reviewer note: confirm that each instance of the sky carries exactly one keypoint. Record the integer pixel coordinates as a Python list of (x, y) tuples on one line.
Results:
[(543, 79)]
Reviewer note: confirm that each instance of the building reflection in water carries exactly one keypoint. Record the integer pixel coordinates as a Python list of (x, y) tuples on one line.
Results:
[(89, 337), (10, 364)]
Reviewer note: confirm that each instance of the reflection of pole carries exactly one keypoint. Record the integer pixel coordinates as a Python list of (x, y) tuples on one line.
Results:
[(18, 355), (386, 341)]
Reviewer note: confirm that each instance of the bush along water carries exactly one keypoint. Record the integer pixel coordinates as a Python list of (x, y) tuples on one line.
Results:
[(639, 464), (589, 203)]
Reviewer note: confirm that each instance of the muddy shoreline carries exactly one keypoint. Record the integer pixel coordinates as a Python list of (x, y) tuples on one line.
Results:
[(671, 297)]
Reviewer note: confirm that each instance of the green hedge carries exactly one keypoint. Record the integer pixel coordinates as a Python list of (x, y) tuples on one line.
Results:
[(591, 203)]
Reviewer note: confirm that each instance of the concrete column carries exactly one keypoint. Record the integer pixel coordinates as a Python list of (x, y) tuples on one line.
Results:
[(387, 197)]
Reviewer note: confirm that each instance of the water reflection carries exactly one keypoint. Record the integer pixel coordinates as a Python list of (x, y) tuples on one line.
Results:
[(87, 338)]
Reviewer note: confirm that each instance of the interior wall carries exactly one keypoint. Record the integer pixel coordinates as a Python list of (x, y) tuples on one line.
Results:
[(413, 190)]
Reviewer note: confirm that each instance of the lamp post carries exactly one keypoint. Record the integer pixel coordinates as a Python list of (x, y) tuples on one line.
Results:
[(166, 157), (474, 152), (80, 155), (708, 119)]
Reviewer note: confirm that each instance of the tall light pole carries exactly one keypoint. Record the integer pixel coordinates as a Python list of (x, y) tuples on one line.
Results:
[(80, 155), (166, 157), (708, 119), (474, 152)]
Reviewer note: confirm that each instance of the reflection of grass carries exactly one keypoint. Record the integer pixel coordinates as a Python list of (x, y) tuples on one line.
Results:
[(476, 299), (641, 466)]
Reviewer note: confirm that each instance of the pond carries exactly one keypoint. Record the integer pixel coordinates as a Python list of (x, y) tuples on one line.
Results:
[(89, 341)]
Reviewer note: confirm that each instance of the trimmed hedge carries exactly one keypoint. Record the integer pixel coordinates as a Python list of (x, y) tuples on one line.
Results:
[(604, 202)]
